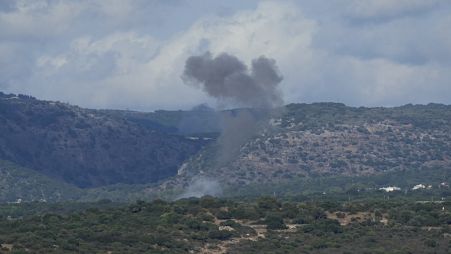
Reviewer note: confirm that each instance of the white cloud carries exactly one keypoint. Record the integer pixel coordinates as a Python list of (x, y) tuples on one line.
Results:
[(312, 73), (272, 29), (112, 55), (38, 19), (95, 72), (388, 8), (409, 40)]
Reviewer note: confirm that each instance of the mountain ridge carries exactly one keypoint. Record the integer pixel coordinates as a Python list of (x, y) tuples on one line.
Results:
[(299, 141), (87, 147), (329, 139)]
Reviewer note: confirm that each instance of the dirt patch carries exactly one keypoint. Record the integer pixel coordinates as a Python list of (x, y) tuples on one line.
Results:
[(7, 247), (345, 218), (223, 246)]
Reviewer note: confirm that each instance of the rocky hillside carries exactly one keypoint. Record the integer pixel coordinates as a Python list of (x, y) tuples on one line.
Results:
[(85, 147), (329, 139), (103, 148)]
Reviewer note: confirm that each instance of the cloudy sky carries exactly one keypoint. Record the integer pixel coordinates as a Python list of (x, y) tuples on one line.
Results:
[(131, 54)]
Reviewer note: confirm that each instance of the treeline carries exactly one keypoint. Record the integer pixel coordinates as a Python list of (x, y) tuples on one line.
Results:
[(263, 225)]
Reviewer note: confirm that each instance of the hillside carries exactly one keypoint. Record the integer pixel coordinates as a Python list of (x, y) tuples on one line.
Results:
[(199, 120), (87, 148), (128, 155), (23, 185), (330, 139), (19, 184)]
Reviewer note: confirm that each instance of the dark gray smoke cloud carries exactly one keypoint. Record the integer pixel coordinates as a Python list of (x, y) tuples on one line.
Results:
[(227, 78), (237, 128)]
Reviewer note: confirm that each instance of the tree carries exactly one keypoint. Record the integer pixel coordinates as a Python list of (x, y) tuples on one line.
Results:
[(274, 221)]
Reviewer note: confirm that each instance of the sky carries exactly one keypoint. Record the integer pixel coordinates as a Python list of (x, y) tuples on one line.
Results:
[(130, 54)]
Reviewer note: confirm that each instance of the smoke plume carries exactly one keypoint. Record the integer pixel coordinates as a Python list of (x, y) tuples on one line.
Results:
[(201, 187), (230, 81), (227, 78)]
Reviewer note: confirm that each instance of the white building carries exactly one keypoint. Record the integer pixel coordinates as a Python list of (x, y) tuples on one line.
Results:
[(419, 186), (390, 188)]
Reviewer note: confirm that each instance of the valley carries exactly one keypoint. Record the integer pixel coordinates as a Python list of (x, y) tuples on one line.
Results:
[(305, 178), (89, 155)]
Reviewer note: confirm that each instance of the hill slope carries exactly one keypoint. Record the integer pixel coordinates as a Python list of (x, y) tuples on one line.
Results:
[(22, 184), (133, 152), (330, 139), (85, 147)]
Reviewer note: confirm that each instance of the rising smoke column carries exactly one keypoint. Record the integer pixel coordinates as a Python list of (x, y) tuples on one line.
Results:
[(227, 78)]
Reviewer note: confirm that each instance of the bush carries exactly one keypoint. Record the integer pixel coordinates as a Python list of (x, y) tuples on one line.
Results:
[(268, 203), (219, 234), (430, 243), (275, 222), (223, 215)]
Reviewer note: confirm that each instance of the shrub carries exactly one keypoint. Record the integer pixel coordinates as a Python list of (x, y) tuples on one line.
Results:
[(275, 222), (430, 243), (219, 234)]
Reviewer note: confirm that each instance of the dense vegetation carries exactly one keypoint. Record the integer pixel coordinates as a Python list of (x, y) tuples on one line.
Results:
[(330, 139), (21, 184), (210, 225), (354, 186), (127, 150), (27, 185), (320, 116), (308, 181), (87, 148)]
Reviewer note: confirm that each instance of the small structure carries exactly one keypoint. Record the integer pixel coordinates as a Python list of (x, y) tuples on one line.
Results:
[(419, 186), (390, 189)]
